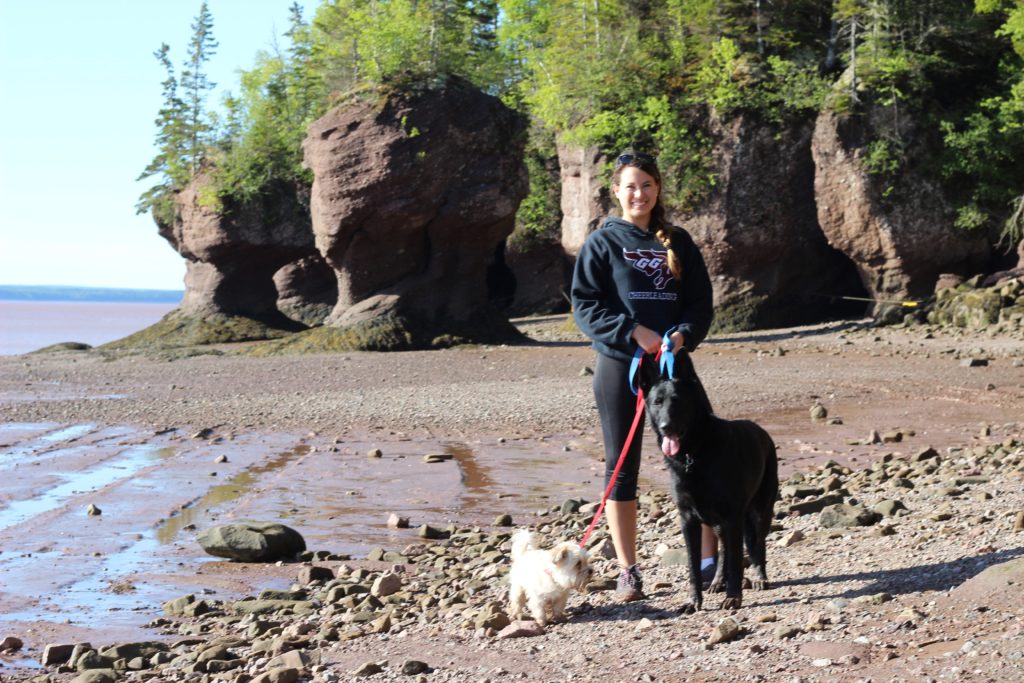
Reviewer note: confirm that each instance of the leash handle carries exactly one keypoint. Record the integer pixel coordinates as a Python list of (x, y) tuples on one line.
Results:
[(618, 465), (667, 359)]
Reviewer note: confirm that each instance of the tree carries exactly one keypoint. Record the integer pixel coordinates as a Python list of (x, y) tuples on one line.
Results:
[(197, 86), (170, 163)]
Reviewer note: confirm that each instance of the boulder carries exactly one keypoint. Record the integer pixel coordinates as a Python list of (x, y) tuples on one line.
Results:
[(252, 541), (306, 290), (414, 190), (900, 247)]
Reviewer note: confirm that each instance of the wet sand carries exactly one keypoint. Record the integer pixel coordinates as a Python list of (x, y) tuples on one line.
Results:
[(518, 421)]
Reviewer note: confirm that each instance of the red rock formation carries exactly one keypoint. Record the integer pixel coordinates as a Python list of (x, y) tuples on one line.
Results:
[(900, 247), (233, 253), (412, 193)]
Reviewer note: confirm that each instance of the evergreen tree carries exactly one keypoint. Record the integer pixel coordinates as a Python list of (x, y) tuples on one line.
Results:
[(170, 163), (197, 86)]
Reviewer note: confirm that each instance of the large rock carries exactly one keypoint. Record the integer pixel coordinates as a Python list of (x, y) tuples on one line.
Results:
[(769, 262), (542, 277), (234, 252), (306, 290), (252, 541), (413, 191), (586, 197), (900, 245)]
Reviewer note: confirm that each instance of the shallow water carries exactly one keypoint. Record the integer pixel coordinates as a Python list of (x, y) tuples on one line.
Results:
[(157, 491)]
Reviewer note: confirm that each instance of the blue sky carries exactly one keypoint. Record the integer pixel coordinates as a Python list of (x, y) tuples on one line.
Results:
[(80, 89)]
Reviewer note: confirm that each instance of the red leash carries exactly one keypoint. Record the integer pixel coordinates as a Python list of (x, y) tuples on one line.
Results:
[(618, 465)]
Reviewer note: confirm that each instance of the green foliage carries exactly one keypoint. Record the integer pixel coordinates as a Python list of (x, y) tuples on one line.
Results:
[(539, 215), (184, 127)]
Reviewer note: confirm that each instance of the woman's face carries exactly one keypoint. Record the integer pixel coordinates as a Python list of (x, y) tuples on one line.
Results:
[(637, 192)]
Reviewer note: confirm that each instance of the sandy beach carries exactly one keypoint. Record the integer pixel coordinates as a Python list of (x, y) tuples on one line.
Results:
[(167, 447)]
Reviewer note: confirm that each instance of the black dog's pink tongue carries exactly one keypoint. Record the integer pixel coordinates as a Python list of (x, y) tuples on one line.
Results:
[(669, 446)]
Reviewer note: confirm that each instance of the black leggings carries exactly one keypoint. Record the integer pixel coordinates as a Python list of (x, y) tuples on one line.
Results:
[(616, 405)]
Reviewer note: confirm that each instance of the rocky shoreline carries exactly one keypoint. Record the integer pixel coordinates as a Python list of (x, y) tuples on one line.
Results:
[(897, 552)]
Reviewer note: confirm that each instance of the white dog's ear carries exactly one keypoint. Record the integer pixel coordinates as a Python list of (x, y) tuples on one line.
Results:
[(561, 553)]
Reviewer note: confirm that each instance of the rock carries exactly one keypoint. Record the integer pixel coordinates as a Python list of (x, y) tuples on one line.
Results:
[(1018, 523), (143, 649), (873, 599), (375, 453), (818, 412), (300, 660), (585, 200), (308, 575), (843, 516), (785, 632), (503, 520), (675, 557), (726, 630), (397, 522), (306, 290), (386, 584), (432, 458), (790, 539), (431, 533), (973, 362), (233, 254), (396, 161), (280, 675), (807, 507), (11, 644), (96, 676), (368, 669), (176, 607), (93, 511), (521, 629), (888, 508), (901, 249), (252, 541), (55, 654), (413, 667), (925, 454)]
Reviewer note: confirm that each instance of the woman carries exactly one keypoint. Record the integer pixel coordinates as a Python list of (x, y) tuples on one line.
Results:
[(636, 279)]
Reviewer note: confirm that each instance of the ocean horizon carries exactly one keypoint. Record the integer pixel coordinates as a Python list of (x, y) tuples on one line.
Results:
[(74, 293)]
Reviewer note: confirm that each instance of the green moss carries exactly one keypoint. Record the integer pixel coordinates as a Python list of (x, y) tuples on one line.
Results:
[(63, 346), (739, 315), (392, 333), (177, 330)]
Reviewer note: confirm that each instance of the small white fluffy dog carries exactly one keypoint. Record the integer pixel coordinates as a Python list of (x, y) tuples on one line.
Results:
[(543, 579)]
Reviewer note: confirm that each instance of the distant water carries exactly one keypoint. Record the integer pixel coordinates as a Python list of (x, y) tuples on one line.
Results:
[(30, 325)]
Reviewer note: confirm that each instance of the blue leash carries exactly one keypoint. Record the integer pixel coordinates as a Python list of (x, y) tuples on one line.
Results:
[(666, 362)]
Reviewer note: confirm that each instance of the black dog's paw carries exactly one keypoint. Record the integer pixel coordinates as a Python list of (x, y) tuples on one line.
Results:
[(716, 586), (759, 584), (689, 608), (732, 602)]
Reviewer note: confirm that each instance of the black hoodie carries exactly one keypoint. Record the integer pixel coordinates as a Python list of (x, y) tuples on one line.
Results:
[(622, 279)]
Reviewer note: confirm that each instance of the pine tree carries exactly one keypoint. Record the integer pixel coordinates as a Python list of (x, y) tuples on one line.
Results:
[(171, 140), (197, 86)]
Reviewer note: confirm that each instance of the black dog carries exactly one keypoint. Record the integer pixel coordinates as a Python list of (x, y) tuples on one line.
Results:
[(724, 474)]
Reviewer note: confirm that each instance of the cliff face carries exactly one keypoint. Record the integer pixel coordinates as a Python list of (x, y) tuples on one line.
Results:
[(796, 223), (899, 246)]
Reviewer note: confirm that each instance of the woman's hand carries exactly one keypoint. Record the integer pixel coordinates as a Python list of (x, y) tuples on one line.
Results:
[(647, 339), (678, 342)]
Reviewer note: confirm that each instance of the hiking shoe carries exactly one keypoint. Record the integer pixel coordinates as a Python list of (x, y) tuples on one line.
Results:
[(630, 586), (707, 574)]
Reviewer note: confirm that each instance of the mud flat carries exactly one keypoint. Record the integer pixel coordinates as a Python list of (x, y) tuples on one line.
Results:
[(166, 448)]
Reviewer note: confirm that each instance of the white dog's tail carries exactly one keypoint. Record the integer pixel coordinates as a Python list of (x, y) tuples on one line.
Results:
[(522, 541)]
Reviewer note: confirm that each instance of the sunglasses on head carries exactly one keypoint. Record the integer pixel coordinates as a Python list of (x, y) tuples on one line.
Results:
[(625, 159)]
